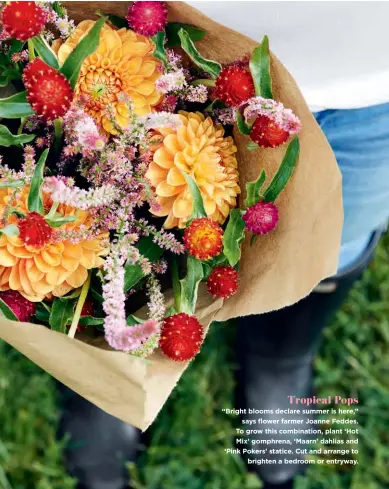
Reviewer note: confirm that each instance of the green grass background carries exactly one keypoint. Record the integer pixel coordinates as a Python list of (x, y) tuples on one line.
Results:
[(190, 434)]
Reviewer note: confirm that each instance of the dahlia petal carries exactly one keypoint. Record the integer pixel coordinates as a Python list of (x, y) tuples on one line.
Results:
[(73, 250), (88, 259), (165, 206), (170, 221), (41, 287), (181, 162), (147, 68), (50, 259), (210, 206), (4, 275), (6, 259), (163, 189), (14, 278), (34, 274), (19, 251), (41, 264), (32, 297), (24, 281), (171, 144), (175, 177), (163, 158), (145, 88), (61, 290), (78, 277), (182, 207)]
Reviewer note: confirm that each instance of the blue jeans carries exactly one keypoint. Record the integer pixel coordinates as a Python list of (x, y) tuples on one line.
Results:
[(360, 141)]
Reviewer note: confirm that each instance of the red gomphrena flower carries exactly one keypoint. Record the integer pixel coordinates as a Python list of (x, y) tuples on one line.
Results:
[(203, 238), (23, 309), (34, 230), (181, 337), (223, 282), (261, 218), (23, 20), (234, 85), (147, 18), (267, 133), (48, 91)]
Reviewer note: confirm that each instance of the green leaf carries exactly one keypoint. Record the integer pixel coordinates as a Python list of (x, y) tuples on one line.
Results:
[(61, 314), (15, 184), (10, 230), (198, 209), (207, 65), (252, 146), (134, 273), (6, 312), (173, 28), (216, 104), (253, 190), (59, 220), (15, 107), (90, 321), (133, 320), (159, 50), (241, 123), (113, 19), (15, 47), (87, 46), (34, 200), (41, 313), (190, 285), (260, 69), (233, 236), (59, 9), (45, 52), (207, 270), (284, 172), (8, 139)]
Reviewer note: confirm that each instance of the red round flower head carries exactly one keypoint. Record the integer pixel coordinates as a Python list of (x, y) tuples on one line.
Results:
[(223, 282), (48, 91), (21, 307), (23, 20), (267, 133), (34, 230), (203, 238), (261, 218), (147, 18), (181, 337), (234, 85)]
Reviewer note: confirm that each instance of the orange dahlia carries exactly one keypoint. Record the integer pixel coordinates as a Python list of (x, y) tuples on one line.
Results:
[(198, 148), (122, 64), (35, 264)]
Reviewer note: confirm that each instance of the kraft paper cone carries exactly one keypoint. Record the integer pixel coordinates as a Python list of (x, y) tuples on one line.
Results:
[(278, 270)]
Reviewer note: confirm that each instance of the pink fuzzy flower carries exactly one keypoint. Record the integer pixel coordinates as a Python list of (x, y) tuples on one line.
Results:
[(261, 218), (147, 18)]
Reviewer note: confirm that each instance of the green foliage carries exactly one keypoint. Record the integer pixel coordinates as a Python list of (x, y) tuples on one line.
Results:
[(207, 65), (35, 202), (134, 273), (113, 19), (159, 50), (198, 209), (6, 312), (15, 106), (190, 285), (8, 139), (233, 236), (260, 69), (10, 230), (284, 172), (173, 28), (45, 52), (253, 190), (241, 123), (88, 45), (59, 220), (61, 314)]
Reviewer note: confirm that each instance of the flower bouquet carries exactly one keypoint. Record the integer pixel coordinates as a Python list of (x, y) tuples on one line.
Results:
[(158, 171)]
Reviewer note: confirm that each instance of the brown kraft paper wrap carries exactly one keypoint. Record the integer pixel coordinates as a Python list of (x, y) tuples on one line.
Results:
[(278, 270)]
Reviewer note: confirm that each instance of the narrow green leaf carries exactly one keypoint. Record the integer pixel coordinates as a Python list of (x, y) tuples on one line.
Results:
[(284, 172), (15, 107), (42, 313), (133, 320), (260, 69), (173, 28), (190, 285), (8, 139), (134, 273), (252, 146), (253, 190), (90, 321), (45, 52), (6, 312), (15, 184), (198, 209), (15, 47), (113, 19), (60, 220), (207, 65), (233, 236), (10, 230), (159, 50), (34, 200), (61, 314), (88, 45), (241, 123), (216, 104)]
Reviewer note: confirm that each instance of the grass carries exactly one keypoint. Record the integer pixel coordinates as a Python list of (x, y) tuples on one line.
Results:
[(188, 439)]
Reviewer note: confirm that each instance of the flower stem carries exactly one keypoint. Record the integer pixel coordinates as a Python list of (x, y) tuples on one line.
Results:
[(80, 304), (203, 81), (31, 50), (176, 284), (22, 121), (58, 132)]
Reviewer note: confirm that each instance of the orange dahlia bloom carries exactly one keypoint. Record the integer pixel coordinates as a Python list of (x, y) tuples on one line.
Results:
[(123, 63), (198, 147), (35, 265)]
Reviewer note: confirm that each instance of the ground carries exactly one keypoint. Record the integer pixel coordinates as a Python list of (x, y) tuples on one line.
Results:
[(189, 436)]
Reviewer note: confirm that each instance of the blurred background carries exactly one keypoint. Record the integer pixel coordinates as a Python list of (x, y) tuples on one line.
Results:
[(187, 441)]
